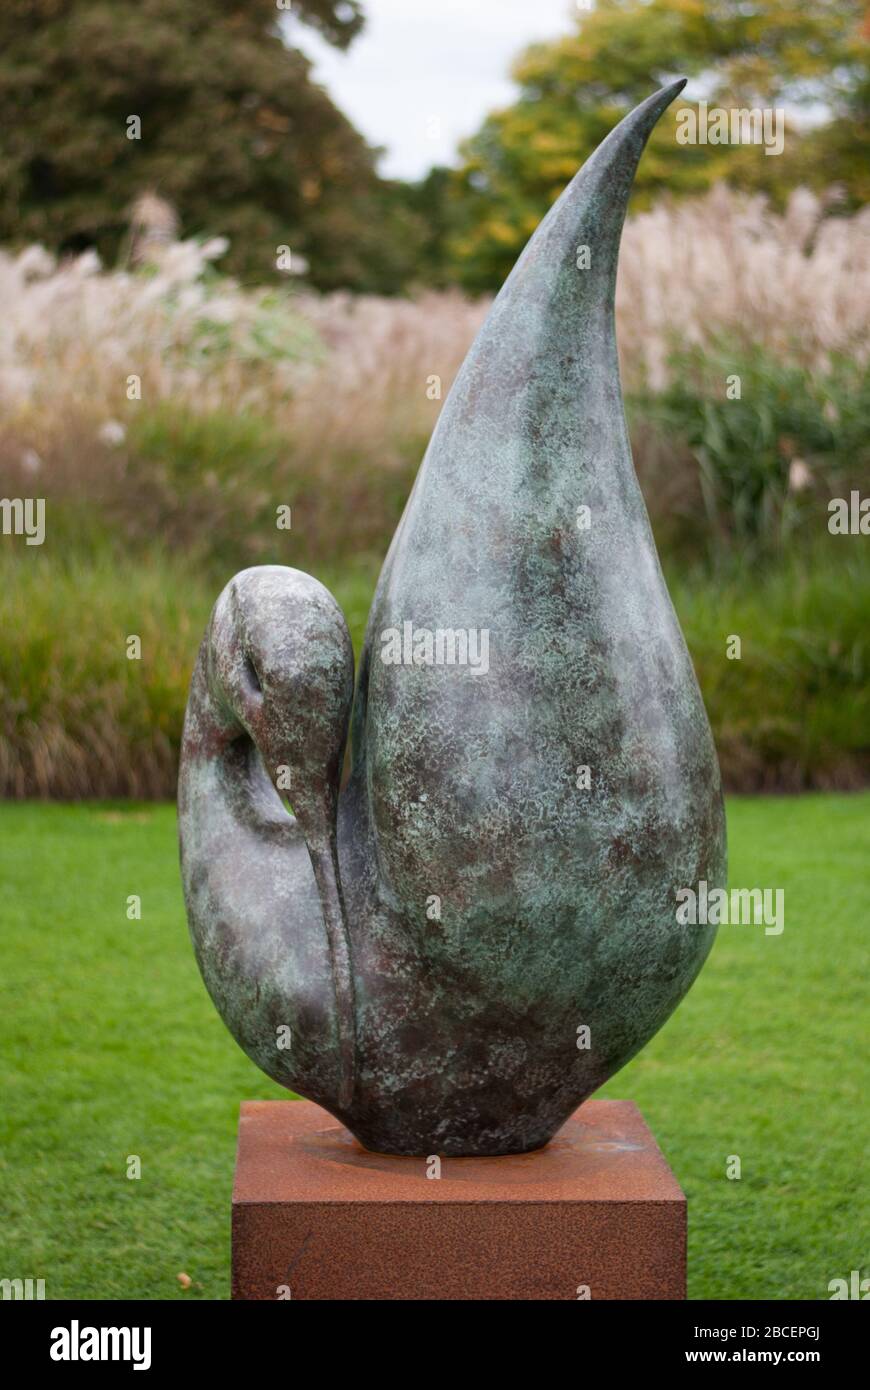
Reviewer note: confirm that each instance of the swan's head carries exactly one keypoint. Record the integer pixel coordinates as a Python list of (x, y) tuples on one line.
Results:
[(280, 664)]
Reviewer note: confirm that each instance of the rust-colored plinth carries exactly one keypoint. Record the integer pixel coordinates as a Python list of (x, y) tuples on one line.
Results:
[(597, 1213)]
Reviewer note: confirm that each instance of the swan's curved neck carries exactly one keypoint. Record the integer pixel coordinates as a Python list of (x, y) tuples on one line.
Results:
[(221, 765)]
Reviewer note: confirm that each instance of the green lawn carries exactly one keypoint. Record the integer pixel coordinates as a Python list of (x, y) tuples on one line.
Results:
[(110, 1047)]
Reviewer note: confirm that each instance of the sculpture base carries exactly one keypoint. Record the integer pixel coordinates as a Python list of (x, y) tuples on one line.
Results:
[(597, 1213)]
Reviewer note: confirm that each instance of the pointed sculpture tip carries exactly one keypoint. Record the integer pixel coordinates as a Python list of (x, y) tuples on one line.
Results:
[(659, 101), (641, 120)]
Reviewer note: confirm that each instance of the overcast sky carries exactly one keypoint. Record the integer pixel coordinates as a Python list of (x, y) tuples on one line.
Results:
[(424, 73)]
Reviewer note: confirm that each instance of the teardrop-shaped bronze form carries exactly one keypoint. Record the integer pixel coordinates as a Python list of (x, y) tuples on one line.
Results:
[(483, 928)]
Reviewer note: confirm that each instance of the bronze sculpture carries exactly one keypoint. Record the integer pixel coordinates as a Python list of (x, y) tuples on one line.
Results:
[(456, 949)]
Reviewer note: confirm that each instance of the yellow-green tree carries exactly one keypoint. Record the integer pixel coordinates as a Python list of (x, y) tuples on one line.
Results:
[(739, 53)]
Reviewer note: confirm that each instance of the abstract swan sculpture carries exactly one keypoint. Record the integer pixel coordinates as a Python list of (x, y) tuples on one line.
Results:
[(457, 948)]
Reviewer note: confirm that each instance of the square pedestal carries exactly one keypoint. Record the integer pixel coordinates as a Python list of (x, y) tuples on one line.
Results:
[(597, 1213)]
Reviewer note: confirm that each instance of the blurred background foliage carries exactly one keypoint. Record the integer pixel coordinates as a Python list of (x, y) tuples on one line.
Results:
[(243, 143), (257, 390), (234, 135), (765, 53)]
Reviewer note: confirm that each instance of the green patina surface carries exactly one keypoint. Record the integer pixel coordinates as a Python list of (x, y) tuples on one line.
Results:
[(501, 869)]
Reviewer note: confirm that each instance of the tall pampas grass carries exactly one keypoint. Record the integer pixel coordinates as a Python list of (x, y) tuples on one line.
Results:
[(163, 410), (341, 371)]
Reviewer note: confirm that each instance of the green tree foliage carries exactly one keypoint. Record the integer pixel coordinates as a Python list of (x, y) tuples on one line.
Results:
[(740, 53), (233, 133)]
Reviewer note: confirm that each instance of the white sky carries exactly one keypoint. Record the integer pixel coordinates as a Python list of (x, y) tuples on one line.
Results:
[(424, 73)]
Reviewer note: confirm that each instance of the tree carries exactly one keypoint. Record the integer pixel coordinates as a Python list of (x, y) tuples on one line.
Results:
[(744, 53), (207, 106)]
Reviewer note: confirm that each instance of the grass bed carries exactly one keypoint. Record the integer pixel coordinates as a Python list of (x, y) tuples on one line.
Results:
[(112, 1048)]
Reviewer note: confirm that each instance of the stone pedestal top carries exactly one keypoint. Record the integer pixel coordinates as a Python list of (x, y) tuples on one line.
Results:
[(597, 1213)]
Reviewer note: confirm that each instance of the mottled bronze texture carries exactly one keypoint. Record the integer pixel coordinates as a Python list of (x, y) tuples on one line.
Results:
[(596, 1214), (458, 949)]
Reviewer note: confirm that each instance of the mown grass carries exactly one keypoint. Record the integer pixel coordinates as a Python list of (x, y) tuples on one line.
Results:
[(111, 1048)]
